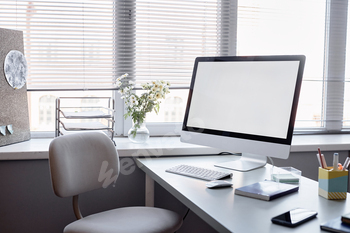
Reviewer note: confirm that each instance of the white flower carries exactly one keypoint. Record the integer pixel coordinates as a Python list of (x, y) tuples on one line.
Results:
[(147, 101), (151, 97), (127, 89), (158, 95), (133, 102), (133, 98)]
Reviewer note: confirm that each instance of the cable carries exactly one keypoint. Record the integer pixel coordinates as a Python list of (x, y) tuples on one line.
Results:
[(270, 160), (183, 219), (188, 210), (271, 171)]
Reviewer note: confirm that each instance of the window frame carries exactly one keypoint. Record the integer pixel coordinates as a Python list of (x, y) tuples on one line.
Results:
[(169, 128), (333, 80)]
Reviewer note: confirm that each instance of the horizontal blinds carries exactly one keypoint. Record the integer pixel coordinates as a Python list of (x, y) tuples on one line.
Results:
[(81, 44), (171, 34), (346, 113), (285, 27), (68, 44), (335, 56)]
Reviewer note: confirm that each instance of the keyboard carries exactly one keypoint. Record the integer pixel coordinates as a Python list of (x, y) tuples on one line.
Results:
[(198, 172)]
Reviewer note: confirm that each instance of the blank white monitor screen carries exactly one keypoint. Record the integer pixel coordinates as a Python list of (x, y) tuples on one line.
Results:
[(252, 98), (264, 98)]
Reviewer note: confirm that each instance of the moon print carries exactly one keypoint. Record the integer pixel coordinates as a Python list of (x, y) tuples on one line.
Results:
[(15, 68)]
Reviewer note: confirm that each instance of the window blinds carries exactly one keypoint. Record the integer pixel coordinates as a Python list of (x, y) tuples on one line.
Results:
[(283, 27), (171, 34), (81, 44), (68, 44), (335, 54)]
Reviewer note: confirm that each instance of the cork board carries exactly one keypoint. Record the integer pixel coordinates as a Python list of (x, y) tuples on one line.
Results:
[(13, 102)]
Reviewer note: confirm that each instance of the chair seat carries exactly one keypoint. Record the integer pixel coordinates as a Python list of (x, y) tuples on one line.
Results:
[(128, 220)]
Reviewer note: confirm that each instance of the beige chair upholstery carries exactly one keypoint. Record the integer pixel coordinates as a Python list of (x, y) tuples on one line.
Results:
[(78, 163)]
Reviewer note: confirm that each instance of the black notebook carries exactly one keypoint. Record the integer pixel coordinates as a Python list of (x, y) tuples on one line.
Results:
[(266, 190), (336, 225), (345, 218)]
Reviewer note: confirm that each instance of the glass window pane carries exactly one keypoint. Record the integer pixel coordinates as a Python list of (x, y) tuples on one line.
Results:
[(282, 27), (42, 106), (172, 108), (346, 113), (309, 113)]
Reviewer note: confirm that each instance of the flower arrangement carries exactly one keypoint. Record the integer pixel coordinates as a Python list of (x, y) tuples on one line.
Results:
[(138, 106)]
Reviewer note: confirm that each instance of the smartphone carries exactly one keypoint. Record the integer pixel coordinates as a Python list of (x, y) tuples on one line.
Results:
[(294, 217)]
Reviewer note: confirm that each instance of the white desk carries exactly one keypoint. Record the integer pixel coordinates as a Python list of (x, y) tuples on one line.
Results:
[(227, 212)]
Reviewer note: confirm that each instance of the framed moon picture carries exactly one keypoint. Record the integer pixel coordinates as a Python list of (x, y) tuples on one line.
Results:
[(15, 69), (14, 114)]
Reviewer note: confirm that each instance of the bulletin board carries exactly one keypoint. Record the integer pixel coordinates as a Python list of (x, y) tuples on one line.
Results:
[(14, 115)]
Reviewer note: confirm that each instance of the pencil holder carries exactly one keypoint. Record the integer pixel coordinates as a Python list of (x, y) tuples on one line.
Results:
[(332, 185)]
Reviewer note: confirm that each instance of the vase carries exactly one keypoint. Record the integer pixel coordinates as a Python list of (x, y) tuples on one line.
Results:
[(141, 135)]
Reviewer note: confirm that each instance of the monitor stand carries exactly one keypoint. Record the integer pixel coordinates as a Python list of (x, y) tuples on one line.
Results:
[(247, 162)]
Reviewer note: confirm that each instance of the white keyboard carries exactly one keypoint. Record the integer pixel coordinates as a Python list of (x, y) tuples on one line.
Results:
[(198, 172)]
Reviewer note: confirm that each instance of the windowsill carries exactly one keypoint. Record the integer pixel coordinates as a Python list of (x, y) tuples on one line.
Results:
[(156, 146), (166, 146)]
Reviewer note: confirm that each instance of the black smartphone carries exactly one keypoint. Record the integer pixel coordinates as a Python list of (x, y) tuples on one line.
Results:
[(294, 217)]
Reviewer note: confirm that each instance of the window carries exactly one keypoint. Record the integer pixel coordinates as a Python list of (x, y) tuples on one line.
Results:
[(169, 35), (346, 114), (46, 111), (84, 45), (68, 46), (279, 27)]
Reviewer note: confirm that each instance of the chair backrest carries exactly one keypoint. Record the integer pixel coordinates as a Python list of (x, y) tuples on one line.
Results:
[(82, 162)]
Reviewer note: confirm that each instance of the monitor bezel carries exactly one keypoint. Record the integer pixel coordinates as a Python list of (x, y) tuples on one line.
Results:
[(284, 141)]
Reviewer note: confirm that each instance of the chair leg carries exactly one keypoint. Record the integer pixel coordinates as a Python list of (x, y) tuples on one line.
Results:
[(76, 207)]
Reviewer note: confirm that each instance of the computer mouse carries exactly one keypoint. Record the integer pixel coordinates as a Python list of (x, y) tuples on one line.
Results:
[(218, 184)]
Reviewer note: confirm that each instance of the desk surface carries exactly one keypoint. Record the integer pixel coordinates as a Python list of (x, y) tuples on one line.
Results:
[(227, 212)]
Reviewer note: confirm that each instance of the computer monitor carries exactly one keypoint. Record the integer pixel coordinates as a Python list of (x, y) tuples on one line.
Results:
[(244, 104)]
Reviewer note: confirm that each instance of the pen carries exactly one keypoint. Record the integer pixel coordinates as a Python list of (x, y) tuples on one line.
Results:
[(323, 161), (346, 163), (320, 158), (335, 161)]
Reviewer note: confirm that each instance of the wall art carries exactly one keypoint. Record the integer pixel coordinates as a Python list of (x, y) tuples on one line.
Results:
[(15, 68), (14, 115)]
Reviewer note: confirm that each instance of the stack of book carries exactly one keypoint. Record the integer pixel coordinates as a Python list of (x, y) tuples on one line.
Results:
[(266, 190), (339, 224)]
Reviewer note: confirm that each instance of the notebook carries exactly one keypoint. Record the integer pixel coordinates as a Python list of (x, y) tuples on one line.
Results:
[(336, 225), (266, 190), (345, 218)]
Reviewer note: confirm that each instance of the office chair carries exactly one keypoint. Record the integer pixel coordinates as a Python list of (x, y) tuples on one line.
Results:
[(76, 162)]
